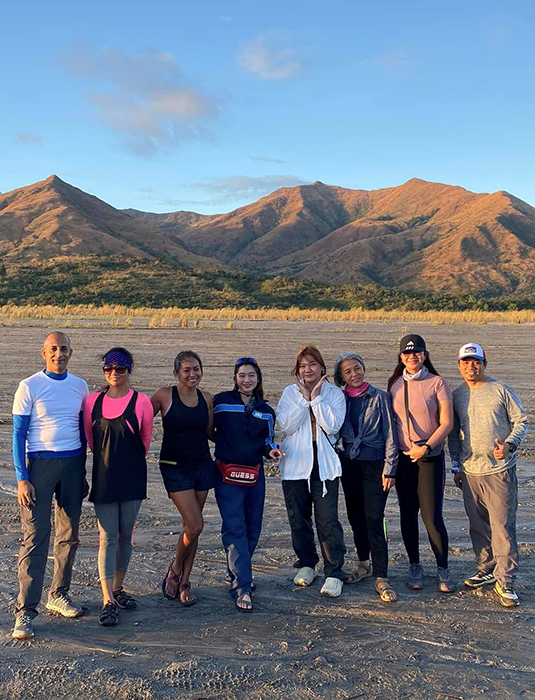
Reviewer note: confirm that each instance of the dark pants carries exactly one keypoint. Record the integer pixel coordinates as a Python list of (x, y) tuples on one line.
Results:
[(299, 498), (491, 502), (362, 481), (64, 478), (420, 487), (241, 509)]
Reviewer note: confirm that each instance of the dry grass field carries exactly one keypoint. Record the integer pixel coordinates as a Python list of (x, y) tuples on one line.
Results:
[(295, 644)]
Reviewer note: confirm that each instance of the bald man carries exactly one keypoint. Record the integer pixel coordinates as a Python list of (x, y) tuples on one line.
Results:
[(47, 423)]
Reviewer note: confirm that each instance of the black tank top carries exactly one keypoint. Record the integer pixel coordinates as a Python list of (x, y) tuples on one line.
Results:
[(119, 462), (185, 442)]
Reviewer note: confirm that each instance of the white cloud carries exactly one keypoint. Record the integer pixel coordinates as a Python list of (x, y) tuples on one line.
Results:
[(237, 187), (261, 159), (147, 100), (261, 57), (27, 137)]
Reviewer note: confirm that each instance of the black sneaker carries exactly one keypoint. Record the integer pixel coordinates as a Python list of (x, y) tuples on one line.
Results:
[(109, 617), (480, 578), (124, 600)]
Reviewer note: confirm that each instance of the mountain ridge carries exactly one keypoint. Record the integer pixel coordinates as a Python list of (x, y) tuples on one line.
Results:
[(418, 236)]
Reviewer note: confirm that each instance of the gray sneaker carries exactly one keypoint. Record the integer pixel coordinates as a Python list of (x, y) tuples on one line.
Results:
[(445, 582), (23, 627), (63, 604), (416, 577)]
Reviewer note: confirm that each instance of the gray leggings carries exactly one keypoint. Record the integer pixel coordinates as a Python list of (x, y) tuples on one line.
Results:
[(116, 525)]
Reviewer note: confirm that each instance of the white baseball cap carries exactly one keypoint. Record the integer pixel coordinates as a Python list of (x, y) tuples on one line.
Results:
[(471, 350)]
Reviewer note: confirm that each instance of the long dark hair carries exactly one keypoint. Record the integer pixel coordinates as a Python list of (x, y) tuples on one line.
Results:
[(398, 371), (258, 391)]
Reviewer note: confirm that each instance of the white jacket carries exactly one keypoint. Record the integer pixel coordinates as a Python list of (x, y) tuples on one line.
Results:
[(293, 416)]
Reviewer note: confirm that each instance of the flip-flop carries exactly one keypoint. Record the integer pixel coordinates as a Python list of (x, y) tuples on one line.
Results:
[(248, 603), (171, 573), (185, 588)]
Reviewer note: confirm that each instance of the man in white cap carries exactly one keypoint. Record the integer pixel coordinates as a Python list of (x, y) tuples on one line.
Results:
[(490, 424)]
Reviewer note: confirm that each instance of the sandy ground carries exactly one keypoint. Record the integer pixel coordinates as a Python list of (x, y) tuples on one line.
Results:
[(295, 643)]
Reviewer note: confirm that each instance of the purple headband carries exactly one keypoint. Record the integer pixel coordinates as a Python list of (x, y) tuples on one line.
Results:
[(116, 357)]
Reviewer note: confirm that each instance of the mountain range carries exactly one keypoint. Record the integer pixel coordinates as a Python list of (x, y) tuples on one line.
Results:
[(419, 236)]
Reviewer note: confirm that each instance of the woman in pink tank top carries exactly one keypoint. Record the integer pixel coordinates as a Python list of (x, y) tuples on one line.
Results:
[(118, 424)]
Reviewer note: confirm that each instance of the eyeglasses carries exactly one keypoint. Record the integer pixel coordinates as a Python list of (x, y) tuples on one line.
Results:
[(246, 361), (119, 369)]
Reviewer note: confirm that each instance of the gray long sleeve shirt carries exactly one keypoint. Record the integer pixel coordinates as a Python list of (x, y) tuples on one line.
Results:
[(481, 414)]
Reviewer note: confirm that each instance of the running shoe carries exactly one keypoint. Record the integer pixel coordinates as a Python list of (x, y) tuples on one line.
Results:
[(480, 578), (23, 627), (416, 577), (63, 604), (507, 595), (445, 582)]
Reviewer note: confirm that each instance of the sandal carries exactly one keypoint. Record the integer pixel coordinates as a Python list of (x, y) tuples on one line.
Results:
[(244, 603), (124, 600), (363, 570), (385, 590), (187, 598), (171, 575), (109, 616)]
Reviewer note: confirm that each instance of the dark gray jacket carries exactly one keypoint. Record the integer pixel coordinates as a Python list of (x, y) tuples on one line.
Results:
[(376, 429)]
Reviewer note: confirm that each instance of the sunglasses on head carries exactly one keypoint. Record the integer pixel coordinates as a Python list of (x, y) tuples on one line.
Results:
[(246, 361), (119, 369)]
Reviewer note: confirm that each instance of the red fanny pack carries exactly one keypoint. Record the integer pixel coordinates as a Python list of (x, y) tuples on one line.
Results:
[(238, 473)]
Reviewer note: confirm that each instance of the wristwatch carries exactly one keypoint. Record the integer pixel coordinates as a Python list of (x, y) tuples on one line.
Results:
[(429, 448)]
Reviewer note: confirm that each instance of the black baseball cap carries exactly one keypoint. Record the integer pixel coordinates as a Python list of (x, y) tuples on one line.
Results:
[(412, 343)]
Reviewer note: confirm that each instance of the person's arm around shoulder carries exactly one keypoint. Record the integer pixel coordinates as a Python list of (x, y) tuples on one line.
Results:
[(210, 403), (161, 400), (146, 420), (328, 406), (292, 410)]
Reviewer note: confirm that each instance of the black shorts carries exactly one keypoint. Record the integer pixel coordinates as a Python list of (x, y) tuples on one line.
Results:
[(200, 477)]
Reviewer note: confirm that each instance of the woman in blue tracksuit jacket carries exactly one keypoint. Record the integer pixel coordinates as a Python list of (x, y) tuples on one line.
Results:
[(244, 435)]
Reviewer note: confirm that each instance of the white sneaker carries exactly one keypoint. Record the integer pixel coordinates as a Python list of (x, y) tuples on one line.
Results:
[(332, 587), (64, 605), (23, 627), (305, 576)]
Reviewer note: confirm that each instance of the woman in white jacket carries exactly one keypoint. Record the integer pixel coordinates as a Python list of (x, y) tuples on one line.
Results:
[(310, 413)]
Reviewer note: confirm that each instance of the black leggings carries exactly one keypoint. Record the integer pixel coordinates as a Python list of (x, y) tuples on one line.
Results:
[(420, 487)]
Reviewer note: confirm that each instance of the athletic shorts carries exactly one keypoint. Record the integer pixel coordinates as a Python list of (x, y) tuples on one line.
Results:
[(180, 477)]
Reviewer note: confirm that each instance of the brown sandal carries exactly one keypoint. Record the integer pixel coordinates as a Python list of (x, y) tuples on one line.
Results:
[(363, 570), (171, 575), (385, 590), (187, 598)]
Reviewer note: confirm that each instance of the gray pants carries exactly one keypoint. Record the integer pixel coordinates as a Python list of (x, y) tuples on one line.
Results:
[(116, 525), (64, 478), (491, 502)]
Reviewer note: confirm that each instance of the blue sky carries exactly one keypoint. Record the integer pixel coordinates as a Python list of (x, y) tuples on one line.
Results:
[(207, 106)]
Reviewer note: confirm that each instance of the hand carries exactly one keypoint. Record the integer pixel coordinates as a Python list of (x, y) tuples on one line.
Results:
[(25, 494), (416, 452), (388, 482), (276, 453), (316, 391), (86, 489), (458, 479), (303, 389), (501, 449)]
